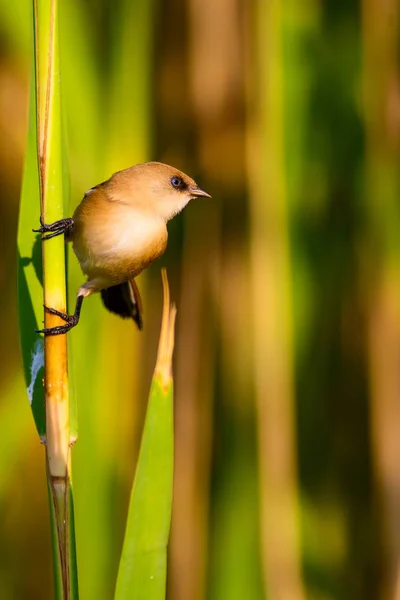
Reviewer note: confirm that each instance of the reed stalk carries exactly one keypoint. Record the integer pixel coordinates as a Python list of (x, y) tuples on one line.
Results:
[(45, 170), (381, 264), (272, 306)]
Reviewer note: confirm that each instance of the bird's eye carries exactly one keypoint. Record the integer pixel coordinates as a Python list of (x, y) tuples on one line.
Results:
[(177, 182)]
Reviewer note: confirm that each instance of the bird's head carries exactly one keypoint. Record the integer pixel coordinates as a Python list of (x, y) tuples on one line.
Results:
[(155, 187)]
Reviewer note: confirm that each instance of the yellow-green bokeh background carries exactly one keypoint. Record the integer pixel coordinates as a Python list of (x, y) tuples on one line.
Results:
[(287, 284)]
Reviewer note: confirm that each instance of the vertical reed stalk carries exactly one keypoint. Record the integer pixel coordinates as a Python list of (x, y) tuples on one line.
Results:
[(52, 188), (210, 29), (271, 292), (381, 105), (187, 573)]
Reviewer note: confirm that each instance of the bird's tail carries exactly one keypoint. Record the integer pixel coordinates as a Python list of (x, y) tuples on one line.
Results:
[(124, 300)]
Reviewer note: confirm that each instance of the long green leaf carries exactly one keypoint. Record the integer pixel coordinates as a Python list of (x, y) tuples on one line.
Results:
[(143, 567), (30, 269)]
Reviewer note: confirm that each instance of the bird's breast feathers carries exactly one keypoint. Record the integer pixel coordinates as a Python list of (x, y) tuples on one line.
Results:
[(117, 243)]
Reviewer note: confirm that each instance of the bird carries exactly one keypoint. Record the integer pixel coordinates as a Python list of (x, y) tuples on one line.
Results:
[(119, 229)]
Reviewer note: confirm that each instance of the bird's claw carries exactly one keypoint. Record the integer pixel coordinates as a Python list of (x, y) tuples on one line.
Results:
[(70, 322), (60, 314), (54, 229), (60, 329)]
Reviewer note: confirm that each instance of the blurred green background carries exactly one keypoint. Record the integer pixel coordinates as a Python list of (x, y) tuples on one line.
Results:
[(287, 282)]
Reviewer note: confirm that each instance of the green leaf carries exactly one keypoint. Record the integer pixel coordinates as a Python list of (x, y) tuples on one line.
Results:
[(143, 567), (142, 572), (30, 280)]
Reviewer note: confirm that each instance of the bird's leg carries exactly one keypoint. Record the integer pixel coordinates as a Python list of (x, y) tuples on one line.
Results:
[(70, 320), (56, 228)]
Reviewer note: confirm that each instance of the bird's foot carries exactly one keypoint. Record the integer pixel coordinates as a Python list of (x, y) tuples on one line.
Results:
[(54, 229), (70, 322)]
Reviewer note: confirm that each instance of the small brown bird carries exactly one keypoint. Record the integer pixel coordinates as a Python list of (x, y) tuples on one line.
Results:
[(117, 230)]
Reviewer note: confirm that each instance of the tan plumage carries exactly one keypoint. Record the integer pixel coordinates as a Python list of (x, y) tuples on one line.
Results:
[(114, 241), (119, 228)]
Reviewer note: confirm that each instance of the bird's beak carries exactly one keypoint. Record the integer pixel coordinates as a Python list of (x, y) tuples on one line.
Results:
[(197, 191)]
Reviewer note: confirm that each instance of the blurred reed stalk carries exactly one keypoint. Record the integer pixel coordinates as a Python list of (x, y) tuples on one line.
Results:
[(272, 310), (193, 418), (208, 25), (381, 87), (52, 189)]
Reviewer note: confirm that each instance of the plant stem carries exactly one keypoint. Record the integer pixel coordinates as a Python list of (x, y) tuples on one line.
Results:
[(51, 171)]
